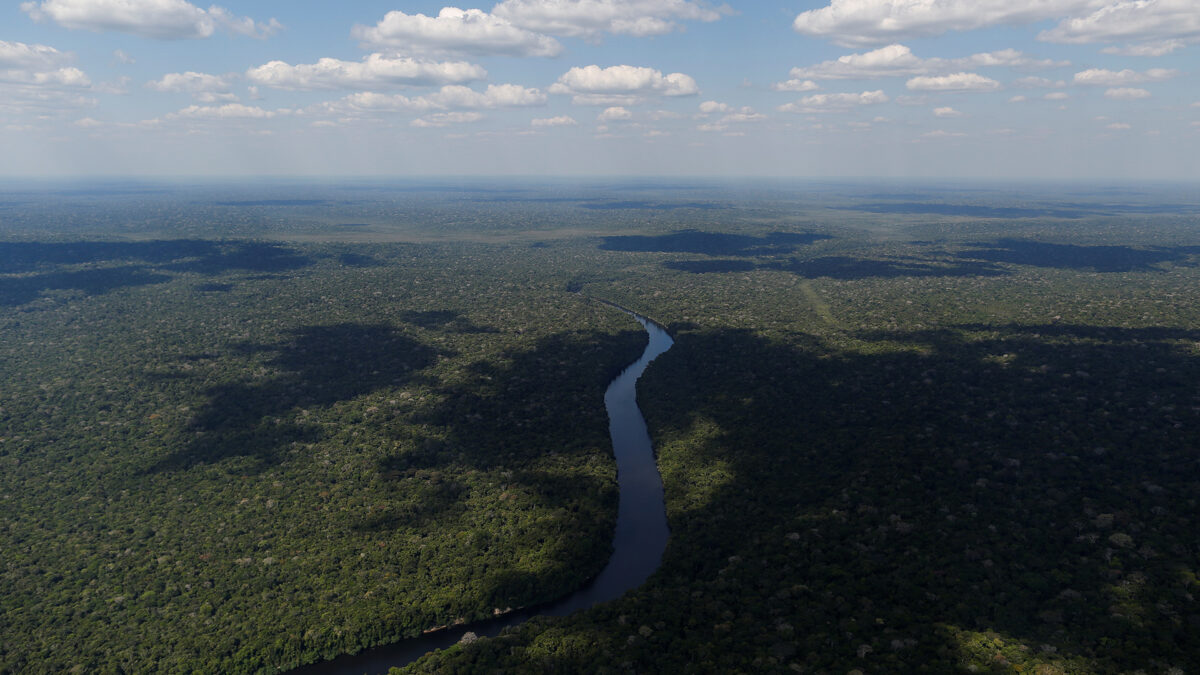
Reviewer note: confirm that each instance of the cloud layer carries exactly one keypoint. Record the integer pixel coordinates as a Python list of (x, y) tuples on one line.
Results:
[(455, 31), (374, 71), (158, 19)]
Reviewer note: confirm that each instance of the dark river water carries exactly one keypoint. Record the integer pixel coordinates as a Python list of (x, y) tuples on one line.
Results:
[(638, 543)]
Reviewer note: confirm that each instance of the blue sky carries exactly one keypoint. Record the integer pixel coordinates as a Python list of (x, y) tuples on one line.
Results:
[(891, 88)]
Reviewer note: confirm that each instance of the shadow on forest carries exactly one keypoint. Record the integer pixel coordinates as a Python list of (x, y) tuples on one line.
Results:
[(193, 255), (1037, 481), (41, 264), (1070, 256), (650, 205), (979, 261), (712, 243), (320, 366), (841, 267), (21, 290), (970, 210), (444, 320), (537, 416)]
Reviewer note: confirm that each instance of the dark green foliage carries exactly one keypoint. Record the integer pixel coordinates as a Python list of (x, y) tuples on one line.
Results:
[(918, 442)]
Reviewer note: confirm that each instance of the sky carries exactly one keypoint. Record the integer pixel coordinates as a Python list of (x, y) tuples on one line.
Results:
[(989, 89)]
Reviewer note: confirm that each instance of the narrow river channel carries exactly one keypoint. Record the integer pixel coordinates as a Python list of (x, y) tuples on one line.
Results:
[(638, 543)]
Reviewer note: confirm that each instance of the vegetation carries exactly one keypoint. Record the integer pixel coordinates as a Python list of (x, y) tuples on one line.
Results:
[(939, 431)]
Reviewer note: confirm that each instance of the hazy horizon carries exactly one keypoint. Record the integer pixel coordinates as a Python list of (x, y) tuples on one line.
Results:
[(1100, 90)]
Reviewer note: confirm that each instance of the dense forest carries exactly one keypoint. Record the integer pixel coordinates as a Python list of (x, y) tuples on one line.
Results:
[(945, 432)]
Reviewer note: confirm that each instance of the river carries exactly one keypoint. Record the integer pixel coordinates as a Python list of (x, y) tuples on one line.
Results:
[(638, 543)]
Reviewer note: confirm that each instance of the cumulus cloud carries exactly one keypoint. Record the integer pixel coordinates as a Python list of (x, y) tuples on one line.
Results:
[(455, 31), (559, 121), (1057, 96), (743, 115), (614, 114), (1039, 82), (449, 97), (953, 82), (828, 102), (191, 83), (1127, 93), (591, 19), (897, 60), (224, 112), (946, 112), (18, 55), (446, 119), (939, 133), (1118, 126), (710, 107), (374, 71), (159, 19), (1116, 78), (620, 85), (1160, 48), (38, 66), (1130, 20), (795, 84), (495, 96), (867, 22)]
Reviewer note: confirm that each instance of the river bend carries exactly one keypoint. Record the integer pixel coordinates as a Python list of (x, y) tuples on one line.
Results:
[(638, 543)]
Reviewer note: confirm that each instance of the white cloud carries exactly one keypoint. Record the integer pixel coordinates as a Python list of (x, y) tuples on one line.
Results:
[(87, 123), (742, 116), (1126, 93), (190, 82), (795, 84), (1057, 96), (1118, 126), (710, 107), (370, 101), (946, 112), (455, 31), (897, 60), (446, 119), (559, 121), (1130, 20), (620, 85), (953, 82), (449, 97), (374, 71), (62, 77), (37, 67), (1040, 82), (868, 22), (495, 96), (224, 112), (942, 134), (828, 102), (614, 114), (18, 55), (1018, 99), (1160, 48), (119, 56), (591, 19), (1111, 78), (159, 19)]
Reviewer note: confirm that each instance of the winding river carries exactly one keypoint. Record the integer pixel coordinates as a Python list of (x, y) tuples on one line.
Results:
[(638, 544)]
